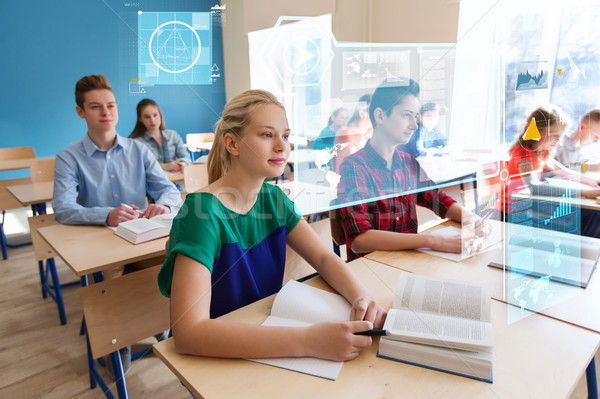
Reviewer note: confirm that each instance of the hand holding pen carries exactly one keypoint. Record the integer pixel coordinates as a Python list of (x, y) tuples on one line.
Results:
[(482, 228), (134, 209), (122, 214)]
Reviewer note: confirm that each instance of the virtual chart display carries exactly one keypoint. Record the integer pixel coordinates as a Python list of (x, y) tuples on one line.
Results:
[(174, 47)]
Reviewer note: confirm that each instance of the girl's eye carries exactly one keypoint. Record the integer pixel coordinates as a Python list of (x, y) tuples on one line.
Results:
[(286, 137), (267, 134)]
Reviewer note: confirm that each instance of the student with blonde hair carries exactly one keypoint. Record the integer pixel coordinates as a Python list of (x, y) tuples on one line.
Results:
[(228, 243)]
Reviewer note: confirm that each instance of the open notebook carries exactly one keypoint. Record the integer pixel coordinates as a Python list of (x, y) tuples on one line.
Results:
[(300, 305)]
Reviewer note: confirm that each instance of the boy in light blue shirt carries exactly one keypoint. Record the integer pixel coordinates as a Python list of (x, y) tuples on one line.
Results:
[(103, 178)]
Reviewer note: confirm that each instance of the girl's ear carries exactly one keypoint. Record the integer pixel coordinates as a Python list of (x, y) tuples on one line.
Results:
[(231, 144)]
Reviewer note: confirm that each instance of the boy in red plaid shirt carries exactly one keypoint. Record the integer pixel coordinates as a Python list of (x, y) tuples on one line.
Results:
[(395, 181)]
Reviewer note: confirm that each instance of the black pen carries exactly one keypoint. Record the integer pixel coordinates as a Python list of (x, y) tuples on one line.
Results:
[(373, 333)]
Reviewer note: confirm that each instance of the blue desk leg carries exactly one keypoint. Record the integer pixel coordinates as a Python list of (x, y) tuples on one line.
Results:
[(592, 384), (42, 278), (51, 266), (115, 357), (3, 241)]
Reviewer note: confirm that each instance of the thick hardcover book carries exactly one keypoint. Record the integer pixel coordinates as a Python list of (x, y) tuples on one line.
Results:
[(442, 325)]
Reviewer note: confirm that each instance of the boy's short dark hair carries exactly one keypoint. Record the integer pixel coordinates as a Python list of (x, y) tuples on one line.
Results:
[(391, 93), (591, 116), (89, 83)]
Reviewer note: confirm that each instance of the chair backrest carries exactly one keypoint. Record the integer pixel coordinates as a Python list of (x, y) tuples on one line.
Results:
[(195, 177), (335, 223), (7, 200), (42, 170), (124, 310), (196, 138), (41, 249), (11, 153)]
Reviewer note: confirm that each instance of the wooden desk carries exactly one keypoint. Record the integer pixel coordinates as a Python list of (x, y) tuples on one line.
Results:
[(199, 146), (583, 203), (175, 177), (536, 357), (89, 249), (33, 193), (570, 304), (447, 169)]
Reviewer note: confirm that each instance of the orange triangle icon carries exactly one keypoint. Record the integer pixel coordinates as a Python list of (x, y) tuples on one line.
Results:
[(532, 132), (584, 167), (559, 71)]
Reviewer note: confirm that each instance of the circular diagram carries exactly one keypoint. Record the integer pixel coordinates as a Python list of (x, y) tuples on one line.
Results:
[(172, 47), (301, 56)]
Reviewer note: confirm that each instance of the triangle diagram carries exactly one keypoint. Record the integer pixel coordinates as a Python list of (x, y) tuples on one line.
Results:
[(532, 132)]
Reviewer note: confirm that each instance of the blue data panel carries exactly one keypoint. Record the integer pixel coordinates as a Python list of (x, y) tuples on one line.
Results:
[(174, 47)]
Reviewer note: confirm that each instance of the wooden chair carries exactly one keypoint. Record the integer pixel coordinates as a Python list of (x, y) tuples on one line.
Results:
[(118, 313), (195, 177), (8, 201), (12, 153), (42, 170), (44, 252), (192, 140), (337, 233)]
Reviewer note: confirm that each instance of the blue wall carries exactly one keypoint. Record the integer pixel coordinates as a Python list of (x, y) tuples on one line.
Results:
[(46, 46)]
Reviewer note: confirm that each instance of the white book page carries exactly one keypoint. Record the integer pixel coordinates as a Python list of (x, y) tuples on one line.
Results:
[(140, 225), (442, 296), (307, 365), (439, 330), (166, 219), (494, 238), (309, 304)]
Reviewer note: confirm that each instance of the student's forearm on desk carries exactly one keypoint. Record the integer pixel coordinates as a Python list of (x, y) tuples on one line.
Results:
[(374, 240), (195, 333)]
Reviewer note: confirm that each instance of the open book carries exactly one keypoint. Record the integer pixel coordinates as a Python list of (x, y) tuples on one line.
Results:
[(494, 238), (440, 324), (300, 305), (142, 229), (561, 257)]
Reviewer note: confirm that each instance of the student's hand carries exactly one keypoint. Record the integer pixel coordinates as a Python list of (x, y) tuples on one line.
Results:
[(173, 166), (451, 243), (365, 308), (589, 181), (482, 228), (336, 340), (121, 214), (156, 209), (593, 193)]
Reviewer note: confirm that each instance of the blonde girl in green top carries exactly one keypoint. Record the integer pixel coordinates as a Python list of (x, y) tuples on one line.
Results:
[(251, 143)]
